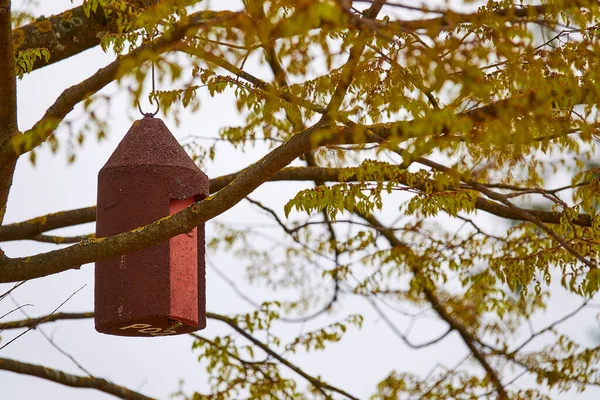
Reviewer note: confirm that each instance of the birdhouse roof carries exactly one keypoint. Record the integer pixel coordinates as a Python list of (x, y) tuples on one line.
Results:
[(149, 142)]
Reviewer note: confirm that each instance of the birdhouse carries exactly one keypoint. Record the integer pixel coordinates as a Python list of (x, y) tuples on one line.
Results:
[(160, 290)]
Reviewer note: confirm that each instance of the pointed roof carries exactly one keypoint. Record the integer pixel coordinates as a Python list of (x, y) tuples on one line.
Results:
[(149, 142)]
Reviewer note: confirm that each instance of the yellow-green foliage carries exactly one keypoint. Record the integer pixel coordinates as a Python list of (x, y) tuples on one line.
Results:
[(26, 58), (432, 188)]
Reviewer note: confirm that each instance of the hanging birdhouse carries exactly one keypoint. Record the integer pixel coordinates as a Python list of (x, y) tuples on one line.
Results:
[(159, 290)]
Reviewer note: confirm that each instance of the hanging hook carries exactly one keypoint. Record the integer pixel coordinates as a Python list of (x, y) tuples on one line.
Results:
[(151, 115), (152, 36), (151, 99)]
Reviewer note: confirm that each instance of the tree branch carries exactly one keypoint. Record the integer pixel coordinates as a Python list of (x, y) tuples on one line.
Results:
[(71, 32), (27, 323), (429, 292), (70, 97), (95, 249), (31, 322), (8, 109), (525, 215), (314, 381), (31, 228), (8, 83), (64, 34), (347, 72), (450, 19), (402, 336), (70, 380), (61, 239)]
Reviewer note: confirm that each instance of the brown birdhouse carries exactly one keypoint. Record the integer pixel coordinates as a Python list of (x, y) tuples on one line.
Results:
[(159, 290)]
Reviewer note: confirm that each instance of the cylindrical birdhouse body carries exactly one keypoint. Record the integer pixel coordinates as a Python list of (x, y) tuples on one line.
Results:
[(159, 290)]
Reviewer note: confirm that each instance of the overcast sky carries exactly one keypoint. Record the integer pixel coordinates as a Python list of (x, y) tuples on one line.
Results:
[(154, 366)]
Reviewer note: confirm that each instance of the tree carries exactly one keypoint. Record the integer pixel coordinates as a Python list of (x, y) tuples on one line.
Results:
[(428, 139)]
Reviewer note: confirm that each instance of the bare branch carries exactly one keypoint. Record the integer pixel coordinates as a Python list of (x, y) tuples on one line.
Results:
[(31, 322), (70, 380), (51, 341), (551, 326), (229, 321), (314, 381), (470, 340), (33, 227), (402, 336), (9, 291), (17, 308), (41, 320)]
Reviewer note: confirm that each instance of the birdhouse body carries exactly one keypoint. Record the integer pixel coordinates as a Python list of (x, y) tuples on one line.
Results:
[(160, 290)]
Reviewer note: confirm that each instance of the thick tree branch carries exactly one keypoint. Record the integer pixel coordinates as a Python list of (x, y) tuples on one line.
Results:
[(70, 380), (8, 107), (8, 83), (71, 32), (31, 228), (91, 250), (64, 34), (72, 96)]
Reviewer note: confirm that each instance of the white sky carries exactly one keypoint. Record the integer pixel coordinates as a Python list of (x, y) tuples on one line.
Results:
[(155, 365)]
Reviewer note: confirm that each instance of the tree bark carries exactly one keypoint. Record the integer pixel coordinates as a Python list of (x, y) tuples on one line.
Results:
[(31, 228), (70, 380), (72, 31), (8, 109), (64, 34)]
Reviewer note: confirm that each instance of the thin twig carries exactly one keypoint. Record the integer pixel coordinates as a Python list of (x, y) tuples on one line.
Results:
[(42, 320)]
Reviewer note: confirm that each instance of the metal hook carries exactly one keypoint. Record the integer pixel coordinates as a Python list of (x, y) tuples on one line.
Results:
[(151, 101), (151, 115)]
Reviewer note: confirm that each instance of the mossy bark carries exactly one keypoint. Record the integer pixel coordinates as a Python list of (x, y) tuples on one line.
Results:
[(8, 96)]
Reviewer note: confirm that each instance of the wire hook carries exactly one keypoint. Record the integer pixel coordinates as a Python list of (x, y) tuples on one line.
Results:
[(153, 80), (151, 100), (151, 115)]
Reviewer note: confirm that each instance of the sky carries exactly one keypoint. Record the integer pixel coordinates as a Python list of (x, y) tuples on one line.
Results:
[(155, 366)]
